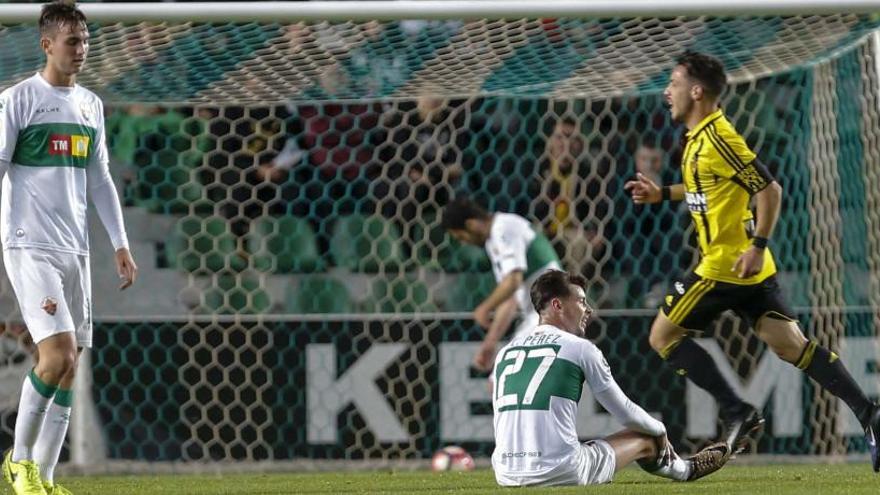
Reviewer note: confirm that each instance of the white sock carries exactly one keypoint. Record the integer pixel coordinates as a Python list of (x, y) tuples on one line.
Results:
[(679, 469), (51, 438), (32, 406)]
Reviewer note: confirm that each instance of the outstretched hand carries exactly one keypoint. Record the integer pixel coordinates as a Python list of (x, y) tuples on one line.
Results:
[(643, 190)]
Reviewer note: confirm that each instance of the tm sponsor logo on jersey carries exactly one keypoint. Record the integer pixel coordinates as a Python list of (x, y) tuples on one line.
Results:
[(696, 202), (69, 145), (48, 110)]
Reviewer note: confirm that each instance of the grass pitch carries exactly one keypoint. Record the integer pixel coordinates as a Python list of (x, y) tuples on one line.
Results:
[(761, 480)]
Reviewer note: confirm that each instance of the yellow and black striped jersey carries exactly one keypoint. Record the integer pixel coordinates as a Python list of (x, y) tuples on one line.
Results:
[(720, 175)]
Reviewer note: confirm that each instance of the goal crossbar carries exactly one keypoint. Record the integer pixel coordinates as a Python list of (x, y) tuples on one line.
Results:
[(436, 9)]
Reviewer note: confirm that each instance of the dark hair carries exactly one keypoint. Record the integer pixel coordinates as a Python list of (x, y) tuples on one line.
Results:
[(552, 284), (705, 69), (57, 14), (459, 211)]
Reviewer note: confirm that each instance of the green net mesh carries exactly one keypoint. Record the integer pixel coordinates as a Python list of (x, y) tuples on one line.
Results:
[(298, 297)]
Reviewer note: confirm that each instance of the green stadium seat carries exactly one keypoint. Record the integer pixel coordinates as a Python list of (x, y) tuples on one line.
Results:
[(366, 244), (203, 245), (318, 294), (400, 295), (283, 245), (161, 148), (236, 293), (469, 290)]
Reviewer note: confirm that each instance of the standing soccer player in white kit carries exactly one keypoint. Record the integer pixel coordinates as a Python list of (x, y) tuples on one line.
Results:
[(519, 254), (53, 155), (539, 377)]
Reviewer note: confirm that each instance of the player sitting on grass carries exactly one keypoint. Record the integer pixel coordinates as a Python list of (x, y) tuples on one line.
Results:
[(539, 377)]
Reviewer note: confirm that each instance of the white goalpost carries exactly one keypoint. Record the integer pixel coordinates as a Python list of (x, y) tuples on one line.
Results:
[(283, 166)]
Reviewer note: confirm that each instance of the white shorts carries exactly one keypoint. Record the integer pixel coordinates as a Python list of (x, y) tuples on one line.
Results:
[(598, 463), (54, 292), (594, 466)]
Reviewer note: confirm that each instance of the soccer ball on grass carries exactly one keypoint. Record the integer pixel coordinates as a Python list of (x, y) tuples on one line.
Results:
[(452, 458)]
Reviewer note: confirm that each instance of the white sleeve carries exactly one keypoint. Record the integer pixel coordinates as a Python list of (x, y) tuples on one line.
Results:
[(606, 390), (510, 247), (103, 191), (9, 126), (628, 412)]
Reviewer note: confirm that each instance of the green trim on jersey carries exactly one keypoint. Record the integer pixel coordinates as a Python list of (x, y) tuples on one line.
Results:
[(563, 379), (55, 145), (539, 254)]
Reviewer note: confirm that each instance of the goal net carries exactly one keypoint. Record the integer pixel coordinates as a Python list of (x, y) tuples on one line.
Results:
[(298, 298)]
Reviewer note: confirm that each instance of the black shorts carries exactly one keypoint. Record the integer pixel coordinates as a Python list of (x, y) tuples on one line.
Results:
[(694, 302)]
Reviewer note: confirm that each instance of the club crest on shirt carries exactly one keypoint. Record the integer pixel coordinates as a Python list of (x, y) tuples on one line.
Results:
[(87, 112), (49, 305)]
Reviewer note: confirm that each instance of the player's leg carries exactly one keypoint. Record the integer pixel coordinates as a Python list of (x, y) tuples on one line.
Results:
[(51, 439), (37, 279), (694, 303), (630, 446), (785, 338), (776, 325)]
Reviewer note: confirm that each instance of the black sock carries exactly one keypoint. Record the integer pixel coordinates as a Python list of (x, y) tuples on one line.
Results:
[(692, 360), (828, 371)]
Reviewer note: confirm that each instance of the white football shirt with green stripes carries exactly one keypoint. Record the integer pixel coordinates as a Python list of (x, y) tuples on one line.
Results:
[(538, 381), (514, 244), (53, 139), (539, 378)]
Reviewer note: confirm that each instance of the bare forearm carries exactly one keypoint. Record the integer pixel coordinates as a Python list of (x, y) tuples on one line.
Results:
[(767, 204), (504, 315), (503, 291)]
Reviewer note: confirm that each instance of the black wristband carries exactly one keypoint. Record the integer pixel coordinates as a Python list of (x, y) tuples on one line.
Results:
[(759, 242), (665, 193)]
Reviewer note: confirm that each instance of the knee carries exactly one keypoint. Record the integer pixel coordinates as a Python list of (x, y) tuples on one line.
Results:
[(661, 340), (56, 367), (656, 340)]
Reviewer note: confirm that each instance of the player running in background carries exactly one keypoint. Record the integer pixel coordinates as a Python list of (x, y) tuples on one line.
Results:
[(519, 254), (539, 378), (736, 270), (52, 154)]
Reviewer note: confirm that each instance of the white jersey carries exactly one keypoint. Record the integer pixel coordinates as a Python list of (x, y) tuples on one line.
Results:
[(514, 245), (53, 139), (539, 378)]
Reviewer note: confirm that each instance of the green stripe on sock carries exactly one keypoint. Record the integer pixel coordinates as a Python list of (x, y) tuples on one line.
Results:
[(64, 397), (42, 387)]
